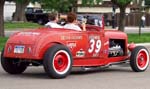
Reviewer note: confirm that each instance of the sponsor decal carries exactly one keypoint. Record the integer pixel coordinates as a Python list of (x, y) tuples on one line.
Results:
[(94, 37), (71, 37), (80, 53), (71, 45), (105, 51), (29, 33), (95, 55)]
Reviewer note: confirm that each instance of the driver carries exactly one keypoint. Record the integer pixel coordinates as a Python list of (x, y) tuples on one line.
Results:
[(72, 22)]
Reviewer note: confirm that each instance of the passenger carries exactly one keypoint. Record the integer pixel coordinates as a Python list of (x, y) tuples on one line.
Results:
[(53, 19), (73, 23)]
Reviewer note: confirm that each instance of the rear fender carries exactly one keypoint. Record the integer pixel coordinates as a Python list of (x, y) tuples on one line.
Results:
[(40, 53)]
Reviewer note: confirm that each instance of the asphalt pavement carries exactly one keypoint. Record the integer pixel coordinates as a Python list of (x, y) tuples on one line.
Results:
[(132, 29), (115, 77)]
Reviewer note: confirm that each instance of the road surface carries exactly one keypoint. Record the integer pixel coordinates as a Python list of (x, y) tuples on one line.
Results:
[(115, 77)]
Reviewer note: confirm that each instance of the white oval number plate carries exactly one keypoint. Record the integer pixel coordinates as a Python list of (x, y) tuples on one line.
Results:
[(95, 46)]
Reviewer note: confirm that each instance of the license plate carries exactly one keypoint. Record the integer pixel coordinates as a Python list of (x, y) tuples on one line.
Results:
[(19, 49)]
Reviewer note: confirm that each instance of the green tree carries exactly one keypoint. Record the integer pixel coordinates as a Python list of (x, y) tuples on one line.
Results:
[(147, 2), (2, 18), (90, 2), (2, 34), (19, 14), (58, 5), (122, 4)]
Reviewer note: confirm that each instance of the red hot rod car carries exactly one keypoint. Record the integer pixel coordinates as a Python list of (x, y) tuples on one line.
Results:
[(58, 50)]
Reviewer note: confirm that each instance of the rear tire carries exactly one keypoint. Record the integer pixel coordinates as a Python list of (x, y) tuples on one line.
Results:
[(13, 66), (139, 60), (57, 61)]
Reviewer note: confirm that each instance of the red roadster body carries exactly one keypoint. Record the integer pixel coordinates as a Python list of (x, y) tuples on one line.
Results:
[(60, 49)]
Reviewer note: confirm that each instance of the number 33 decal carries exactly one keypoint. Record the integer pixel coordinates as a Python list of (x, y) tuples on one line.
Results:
[(95, 45)]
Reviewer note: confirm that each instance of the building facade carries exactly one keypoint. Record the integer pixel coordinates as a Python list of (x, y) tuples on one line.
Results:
[(9, 9)]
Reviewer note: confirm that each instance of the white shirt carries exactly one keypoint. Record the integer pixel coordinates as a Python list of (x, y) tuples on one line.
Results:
[(53, 25), (143, 18), (72, 26)]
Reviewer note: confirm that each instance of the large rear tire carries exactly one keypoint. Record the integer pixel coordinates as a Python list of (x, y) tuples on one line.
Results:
[(57, 61), (13, 66), (139, 60)]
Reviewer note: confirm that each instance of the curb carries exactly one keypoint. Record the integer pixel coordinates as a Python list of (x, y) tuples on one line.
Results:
[(144, 44)]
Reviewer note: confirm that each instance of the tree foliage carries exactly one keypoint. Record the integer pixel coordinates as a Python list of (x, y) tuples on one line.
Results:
[(56, 5), (121, 3), (90, 2), (65, 5), (19, 14), (147, 2)]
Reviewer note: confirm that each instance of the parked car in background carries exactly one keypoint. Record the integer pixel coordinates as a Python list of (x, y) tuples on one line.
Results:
[(36, 15), (91, 19)]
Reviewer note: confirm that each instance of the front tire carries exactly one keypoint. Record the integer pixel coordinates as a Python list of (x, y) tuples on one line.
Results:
[(57, 61), (139, 59), (12, 66)]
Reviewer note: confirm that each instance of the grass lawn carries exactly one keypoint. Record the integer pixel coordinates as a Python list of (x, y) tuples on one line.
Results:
[(18, 25), (2, 42), (144, 38)]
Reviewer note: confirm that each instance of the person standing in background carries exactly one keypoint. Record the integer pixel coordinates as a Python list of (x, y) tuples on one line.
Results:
[(143, 19)]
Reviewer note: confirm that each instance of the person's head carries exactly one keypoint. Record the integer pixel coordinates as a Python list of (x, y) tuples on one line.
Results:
[(53, 17), (71, 17)]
